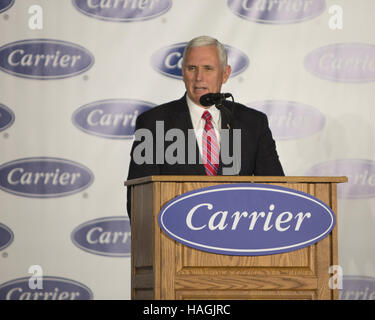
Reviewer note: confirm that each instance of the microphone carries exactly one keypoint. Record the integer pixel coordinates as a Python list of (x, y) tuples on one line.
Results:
[(210, 99), (217, 99)]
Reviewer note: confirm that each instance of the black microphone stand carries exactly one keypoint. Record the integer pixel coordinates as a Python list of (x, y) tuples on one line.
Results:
[(227, 111)]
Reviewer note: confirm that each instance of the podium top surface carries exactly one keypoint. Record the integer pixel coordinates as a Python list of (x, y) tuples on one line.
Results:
[(237, 179)]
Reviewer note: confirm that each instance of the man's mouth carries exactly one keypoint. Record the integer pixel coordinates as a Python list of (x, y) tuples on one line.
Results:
[(200, 89)]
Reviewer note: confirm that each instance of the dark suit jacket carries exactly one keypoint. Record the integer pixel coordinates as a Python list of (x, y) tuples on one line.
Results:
[(258, 149)]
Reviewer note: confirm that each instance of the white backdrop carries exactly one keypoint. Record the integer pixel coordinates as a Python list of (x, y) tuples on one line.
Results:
[(68, 105)]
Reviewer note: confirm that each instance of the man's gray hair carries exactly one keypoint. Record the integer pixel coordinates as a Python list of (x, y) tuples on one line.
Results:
[(207, 41)]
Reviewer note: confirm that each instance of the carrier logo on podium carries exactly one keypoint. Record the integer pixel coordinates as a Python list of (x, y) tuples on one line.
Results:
[(246, 219)]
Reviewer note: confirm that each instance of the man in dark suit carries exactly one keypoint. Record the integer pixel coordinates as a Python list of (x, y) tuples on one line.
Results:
[(240, 134)]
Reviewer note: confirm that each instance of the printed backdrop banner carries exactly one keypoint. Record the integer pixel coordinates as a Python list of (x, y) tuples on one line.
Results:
[(74, 76)]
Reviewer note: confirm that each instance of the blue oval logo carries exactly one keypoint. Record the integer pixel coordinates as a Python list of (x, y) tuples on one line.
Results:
[(114, 118), (44, 177), (44, 59), (6, 236), (54, 288), (246, 219), (108, 236), (357, 288), (168, 60), (343, 62), (360, 173), (289, 119), (6, 117), (123, 11), (5, 5), (277, 12)]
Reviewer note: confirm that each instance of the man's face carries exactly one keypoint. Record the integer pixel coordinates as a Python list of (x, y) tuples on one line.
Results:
[(203, 73)]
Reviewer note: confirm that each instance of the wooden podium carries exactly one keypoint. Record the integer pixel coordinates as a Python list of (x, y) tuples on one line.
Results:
[(165, 269)]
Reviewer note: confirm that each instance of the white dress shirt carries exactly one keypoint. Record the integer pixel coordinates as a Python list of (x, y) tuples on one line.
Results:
[(196, 113)]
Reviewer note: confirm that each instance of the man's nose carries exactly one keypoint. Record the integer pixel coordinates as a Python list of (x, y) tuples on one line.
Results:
[(199, 74)]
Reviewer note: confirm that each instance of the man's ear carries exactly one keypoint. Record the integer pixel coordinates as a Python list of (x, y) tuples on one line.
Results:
[(226, 73)]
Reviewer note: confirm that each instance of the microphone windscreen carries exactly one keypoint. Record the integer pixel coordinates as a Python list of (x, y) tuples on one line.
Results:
[(207, 99)]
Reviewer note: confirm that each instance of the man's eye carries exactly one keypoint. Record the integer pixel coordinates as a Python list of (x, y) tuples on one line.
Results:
[(191, 68)]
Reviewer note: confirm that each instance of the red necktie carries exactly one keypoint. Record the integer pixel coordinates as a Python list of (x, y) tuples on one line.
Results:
[(210, 146)]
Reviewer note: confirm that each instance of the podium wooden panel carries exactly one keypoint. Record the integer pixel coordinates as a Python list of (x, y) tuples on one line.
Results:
[(165, 269)]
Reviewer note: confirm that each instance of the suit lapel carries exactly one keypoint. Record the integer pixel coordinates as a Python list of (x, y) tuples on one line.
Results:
[(182, 120)]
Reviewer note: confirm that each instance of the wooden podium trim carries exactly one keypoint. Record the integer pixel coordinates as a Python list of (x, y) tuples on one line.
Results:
[(234, 179)]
